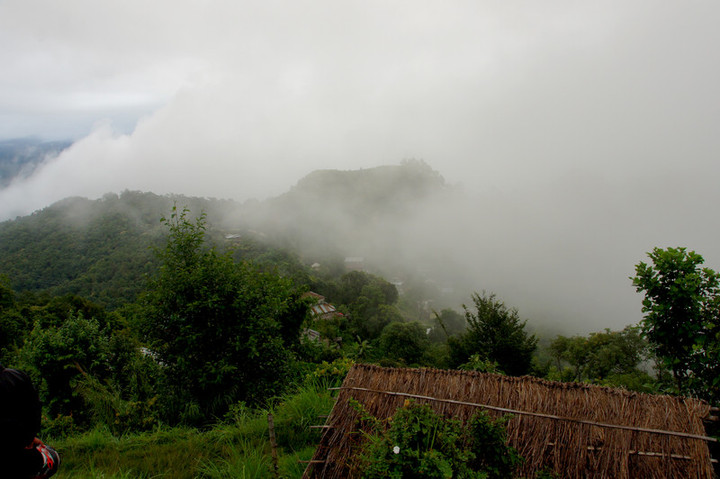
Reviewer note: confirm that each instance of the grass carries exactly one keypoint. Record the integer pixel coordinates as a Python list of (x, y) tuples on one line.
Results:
[(239, 448)]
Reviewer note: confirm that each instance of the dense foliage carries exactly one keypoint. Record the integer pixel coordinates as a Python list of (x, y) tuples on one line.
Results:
[(612, 358), (416, 442), (682, 318), (207, 318), (98, 249), (495, 333), (130, 324)]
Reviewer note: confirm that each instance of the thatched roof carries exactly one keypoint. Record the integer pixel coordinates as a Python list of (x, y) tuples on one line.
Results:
[(577, 430)]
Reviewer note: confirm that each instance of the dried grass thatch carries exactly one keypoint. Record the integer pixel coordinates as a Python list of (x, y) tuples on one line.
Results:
[(577, 430)]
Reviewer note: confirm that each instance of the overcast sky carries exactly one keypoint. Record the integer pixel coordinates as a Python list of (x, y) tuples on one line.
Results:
[(588, 131)]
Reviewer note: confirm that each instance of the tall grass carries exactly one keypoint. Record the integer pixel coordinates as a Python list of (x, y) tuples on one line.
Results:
[(238, 447), (297, 412), (248, 463)]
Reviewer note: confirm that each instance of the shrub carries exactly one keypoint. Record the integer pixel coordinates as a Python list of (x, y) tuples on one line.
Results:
[(417, 442), (333, 373)]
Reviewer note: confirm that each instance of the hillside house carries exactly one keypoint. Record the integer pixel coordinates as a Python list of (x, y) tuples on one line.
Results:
[(321, 309)]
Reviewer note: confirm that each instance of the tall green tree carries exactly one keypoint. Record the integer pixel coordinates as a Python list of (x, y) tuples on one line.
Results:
[(369, 300), (610, 357), (59, 355), (223, 330), (12, 324), (682, 317), (494, 333), (405, 342), (447, 323)]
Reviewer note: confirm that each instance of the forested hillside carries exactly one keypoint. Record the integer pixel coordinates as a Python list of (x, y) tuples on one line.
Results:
[(101, 249), (98, 249), (368, 213), (138, 312)]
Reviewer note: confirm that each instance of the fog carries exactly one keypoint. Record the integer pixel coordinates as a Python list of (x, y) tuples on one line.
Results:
[(581, 134)]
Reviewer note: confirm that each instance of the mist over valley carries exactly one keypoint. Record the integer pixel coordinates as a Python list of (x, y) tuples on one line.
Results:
[(217, 215), (556, 144), (562, 257)]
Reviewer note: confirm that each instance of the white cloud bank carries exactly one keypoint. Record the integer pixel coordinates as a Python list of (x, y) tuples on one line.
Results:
[(588, 128)]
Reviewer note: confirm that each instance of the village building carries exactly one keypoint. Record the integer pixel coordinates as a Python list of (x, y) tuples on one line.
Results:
[(320, 308)]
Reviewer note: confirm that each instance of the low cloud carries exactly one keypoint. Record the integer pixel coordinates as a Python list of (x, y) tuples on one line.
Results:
[(585, 135)]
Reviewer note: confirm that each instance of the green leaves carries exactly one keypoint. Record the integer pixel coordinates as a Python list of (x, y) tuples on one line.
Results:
[(405, 342), (223, 330), (681, 307), (610, 358), (417, 442), (495, 333)]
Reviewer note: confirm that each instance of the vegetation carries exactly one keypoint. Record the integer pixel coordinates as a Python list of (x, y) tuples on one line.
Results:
[(238, 446), (682, 320), (177, 337), (417, 442), (496, 334), (611, 358), (206, 318)]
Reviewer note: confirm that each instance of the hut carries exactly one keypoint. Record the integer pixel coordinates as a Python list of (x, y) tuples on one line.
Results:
[(321, 309), (576, 430)]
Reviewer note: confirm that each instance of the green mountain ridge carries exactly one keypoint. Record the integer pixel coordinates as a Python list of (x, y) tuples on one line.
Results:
[(101, 249)]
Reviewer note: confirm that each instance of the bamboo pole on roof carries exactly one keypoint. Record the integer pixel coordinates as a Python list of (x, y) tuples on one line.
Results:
[(579, 449), (529, 413)]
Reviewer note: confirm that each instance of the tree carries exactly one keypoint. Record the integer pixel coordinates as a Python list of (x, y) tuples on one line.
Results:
[(12, 324), (405, 342), (682, 317), (223, 330), (356, 284), (609, 357), (7, 295), (370, 303), (58, 356), (447, 323), (495, 333)]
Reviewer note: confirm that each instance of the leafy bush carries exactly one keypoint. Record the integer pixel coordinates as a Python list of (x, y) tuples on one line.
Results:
[(477, 363), (333, 373), (224, 331), (417, 442)]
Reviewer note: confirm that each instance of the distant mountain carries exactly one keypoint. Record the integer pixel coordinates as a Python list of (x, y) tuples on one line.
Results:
[(384, 190), (100, 249), (19, 157), (348, 211)]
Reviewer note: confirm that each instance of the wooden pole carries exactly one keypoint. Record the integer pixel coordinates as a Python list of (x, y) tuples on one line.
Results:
[(536, 414), (273, 446)]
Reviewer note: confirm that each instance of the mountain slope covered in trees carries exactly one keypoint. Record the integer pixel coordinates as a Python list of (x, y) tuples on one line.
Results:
[(100, 249), (136, 312)]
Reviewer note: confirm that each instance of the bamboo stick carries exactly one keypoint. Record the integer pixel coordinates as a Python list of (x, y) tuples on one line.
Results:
[(643, 453), (273, 445), (537, 414)]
